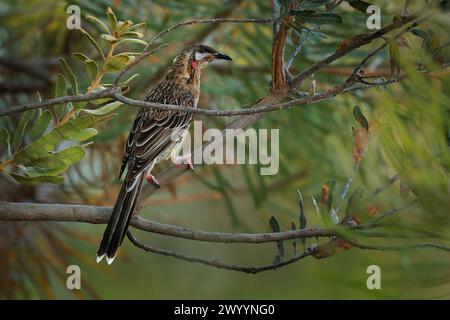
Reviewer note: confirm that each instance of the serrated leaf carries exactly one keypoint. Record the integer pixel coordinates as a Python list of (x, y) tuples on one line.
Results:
[(47, 143), (353, 201), (69, 75), (112, 20), (40, 125), (107, 108), (360, 118), (31, 181), (20, 130), (93, 42), (59, 161), (98, 22), (60, 91), (85, 134), (118, 62), (5, 141)]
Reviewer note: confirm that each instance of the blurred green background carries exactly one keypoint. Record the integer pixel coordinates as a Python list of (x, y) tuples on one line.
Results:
[(410, 134)]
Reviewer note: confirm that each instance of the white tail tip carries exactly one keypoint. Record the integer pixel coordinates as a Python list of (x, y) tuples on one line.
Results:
[(99, 258), (110, 260)]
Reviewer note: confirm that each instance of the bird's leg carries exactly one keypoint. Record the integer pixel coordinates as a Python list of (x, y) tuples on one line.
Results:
[(151, 178)]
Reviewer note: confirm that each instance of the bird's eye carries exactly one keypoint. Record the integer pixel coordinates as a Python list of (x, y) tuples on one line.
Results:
[(200, 55)]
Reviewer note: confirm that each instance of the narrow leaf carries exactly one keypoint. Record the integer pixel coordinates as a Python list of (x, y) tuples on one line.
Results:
[(20, 130), (5, 141), (360, 118), (93, 42), (40, 125), (69, 74), (107, 108), (353, 201), (112, 19), (99, 22), (31, 181)]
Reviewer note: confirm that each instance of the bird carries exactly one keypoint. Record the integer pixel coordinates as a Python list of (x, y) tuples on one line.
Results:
[(156, 135)]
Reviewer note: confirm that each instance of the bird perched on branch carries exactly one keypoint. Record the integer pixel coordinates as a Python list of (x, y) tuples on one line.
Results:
[(155, 135)]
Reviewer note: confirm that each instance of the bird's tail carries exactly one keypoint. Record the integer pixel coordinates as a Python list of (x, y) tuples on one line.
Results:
[(120, 218)]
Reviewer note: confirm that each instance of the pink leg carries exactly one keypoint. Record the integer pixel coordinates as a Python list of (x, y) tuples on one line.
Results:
[(151, 178)]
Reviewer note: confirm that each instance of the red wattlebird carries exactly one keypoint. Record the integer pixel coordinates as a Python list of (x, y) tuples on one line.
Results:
[(155, 135)]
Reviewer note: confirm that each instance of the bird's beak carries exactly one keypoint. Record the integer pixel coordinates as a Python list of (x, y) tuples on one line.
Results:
[(221, 56)]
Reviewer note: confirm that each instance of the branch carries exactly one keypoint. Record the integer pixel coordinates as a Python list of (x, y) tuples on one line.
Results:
[(352, 44), (60, 100), (213, 263), (15, 211), (212, 20)]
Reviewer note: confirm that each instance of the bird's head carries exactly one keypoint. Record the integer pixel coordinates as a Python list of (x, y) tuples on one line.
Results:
[(191, 61)]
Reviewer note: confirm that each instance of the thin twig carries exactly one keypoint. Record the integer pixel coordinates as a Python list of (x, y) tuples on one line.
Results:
[(213, 263)]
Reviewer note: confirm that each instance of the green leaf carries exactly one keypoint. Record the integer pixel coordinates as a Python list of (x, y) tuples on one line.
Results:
[(31, 181), (302, 211), (81, 56), (359, 5), (309, 4), (360, 118), (118, 62), (112, 20), (394, 57), (274, 224), (5, 141), (353, 201), (40, 125), (107, 108), (92, 69), (138, 25), (123, 26), (60, 91), (69, 74), (85, 134), (109, 38), (132, 40), (20, 130), (47, 143), (98, 22), (312, 16), (59, 161), (93, 42), (132, 34), (134, 76)]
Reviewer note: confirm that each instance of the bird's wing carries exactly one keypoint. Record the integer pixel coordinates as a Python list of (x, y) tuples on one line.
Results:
[(153, 130)]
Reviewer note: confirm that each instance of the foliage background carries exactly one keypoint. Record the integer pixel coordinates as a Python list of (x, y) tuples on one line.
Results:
[(411, 122)]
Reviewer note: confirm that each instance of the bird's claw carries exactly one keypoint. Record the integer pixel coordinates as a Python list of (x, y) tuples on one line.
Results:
[(151, 178)]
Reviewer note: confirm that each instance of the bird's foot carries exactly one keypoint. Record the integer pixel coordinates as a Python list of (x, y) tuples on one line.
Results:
[(151, 178)]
